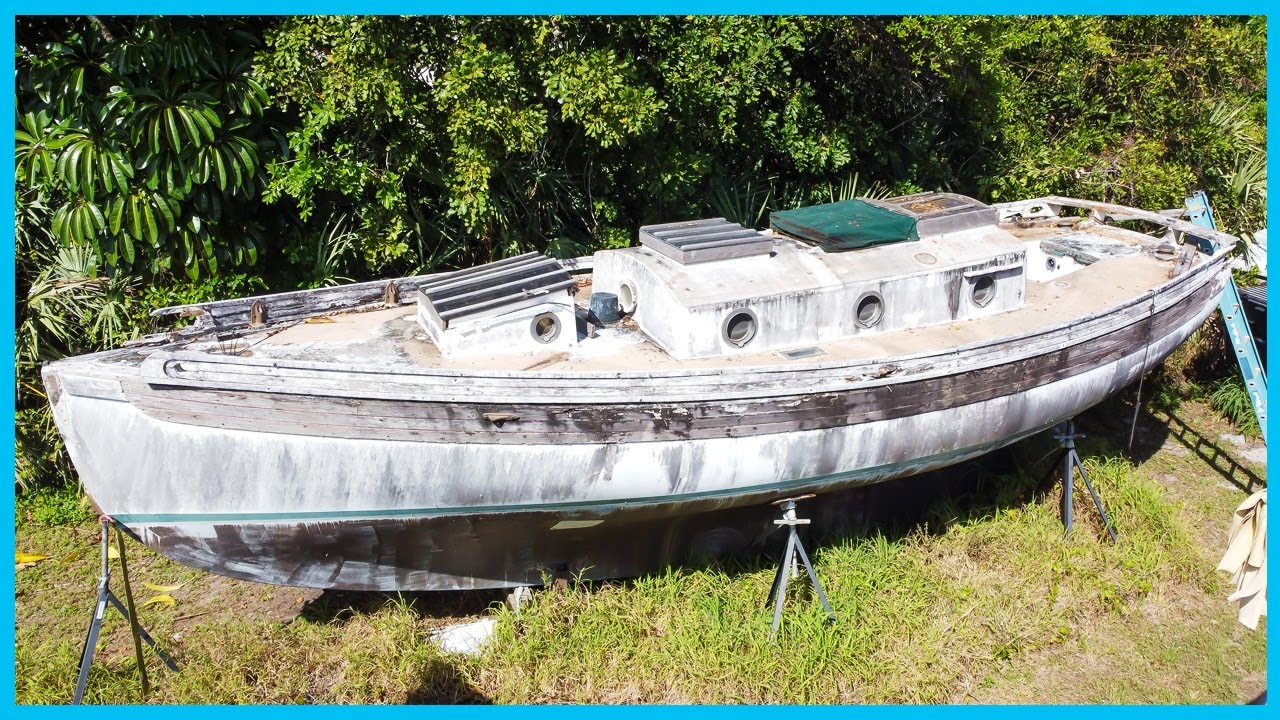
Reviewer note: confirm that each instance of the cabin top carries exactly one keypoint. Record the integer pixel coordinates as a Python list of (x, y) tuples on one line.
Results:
[(842, 270), (791, 267)]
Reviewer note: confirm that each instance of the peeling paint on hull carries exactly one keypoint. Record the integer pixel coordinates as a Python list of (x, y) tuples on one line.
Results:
[(377, 514)]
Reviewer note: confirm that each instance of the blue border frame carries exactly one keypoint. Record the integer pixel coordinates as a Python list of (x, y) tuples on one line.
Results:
[(390, 7)]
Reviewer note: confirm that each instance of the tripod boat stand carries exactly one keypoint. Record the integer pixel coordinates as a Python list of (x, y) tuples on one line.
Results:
[(1066, 436), (107, 597), (788, 567)]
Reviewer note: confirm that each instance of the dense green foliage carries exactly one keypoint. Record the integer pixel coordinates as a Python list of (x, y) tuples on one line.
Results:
[(178, 159), (145, 141)]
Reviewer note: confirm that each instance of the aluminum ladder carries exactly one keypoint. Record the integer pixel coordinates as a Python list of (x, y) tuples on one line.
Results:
[(1255, 378)]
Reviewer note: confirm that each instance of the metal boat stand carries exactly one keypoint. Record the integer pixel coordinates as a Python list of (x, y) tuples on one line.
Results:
[(1066, 436), (107, 597), (789, 568)]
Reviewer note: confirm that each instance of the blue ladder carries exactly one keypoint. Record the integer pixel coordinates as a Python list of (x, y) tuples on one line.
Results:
[(1255, 378)]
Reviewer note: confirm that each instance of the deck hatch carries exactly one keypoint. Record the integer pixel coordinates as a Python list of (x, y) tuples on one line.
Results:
[(845, 225), (865, 222), (938, 213), (494, 288), (698, 241)]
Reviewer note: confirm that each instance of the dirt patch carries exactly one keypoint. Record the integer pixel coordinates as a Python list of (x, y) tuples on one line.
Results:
[(215, 598)]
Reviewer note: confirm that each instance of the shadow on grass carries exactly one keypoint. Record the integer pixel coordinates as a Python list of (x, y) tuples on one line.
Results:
[(442, 684), (1214, 456), (1156, 424), (338, 606)]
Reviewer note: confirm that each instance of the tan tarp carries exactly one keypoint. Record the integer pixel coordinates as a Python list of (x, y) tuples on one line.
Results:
[(1246, 558)]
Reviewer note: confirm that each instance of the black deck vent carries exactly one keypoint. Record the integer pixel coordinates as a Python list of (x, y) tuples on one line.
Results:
[(494, 288), (698, 241)]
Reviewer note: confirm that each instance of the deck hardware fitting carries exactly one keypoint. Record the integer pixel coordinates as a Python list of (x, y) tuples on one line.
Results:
[(739, 328), (627, 298), (258, 314), (545, 328), (801, 353), (499, 418), (789, 567), (391, 296), (108, 598), (983, 290)]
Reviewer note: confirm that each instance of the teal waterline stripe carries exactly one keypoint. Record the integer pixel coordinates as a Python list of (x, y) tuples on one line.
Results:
[(145, 519)]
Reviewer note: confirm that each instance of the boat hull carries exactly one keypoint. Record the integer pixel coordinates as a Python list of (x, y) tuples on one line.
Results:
[(374, 508)]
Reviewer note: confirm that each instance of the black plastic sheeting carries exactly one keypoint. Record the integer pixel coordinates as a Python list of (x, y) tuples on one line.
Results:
[(845, 225)]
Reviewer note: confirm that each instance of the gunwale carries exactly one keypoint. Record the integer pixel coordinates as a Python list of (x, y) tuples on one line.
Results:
[(418, 383)]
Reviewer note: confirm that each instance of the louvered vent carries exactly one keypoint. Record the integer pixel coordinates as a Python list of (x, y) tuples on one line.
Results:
[(494, 288), (699, 241)]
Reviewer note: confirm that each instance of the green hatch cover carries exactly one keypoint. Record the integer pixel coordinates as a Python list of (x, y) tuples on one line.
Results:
[(845, 225)]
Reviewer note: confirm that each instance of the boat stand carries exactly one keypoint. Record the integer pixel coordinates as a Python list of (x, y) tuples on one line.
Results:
[(1066, 436), (789, 568), (107, 597)]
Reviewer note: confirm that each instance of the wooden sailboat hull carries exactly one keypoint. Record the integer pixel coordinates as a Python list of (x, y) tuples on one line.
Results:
[(373, 480)]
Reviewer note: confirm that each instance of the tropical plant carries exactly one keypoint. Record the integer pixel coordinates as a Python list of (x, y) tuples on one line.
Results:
[(146, 138)]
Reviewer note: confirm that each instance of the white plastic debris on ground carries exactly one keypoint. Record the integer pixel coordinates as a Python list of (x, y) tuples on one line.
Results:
[(468, 639), (1246, 558)]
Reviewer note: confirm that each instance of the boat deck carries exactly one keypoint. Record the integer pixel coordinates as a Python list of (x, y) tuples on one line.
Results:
[(392, 337)]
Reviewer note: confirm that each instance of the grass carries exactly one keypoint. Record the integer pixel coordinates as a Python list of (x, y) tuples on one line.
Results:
[(980, 600), (1231, 398)]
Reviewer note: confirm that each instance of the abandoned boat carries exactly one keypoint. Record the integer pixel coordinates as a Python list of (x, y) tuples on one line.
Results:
[(490, 427)]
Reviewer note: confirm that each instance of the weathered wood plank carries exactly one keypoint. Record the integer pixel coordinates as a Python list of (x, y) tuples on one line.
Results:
[(200, 369), (1120, 211)]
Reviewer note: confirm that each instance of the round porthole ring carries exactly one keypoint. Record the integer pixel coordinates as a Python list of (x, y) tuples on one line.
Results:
[(545, 337), (628, 298), (984, 285), (857, 309), (754, 327)]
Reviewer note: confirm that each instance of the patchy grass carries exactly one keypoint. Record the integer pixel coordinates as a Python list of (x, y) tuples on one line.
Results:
[(1231, 398), (982, 600)]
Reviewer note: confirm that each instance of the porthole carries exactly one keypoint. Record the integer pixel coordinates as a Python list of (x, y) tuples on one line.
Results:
[(627, 297), (984, 289), (739, 328), (1050, 263), (545, 328), (870, 310)]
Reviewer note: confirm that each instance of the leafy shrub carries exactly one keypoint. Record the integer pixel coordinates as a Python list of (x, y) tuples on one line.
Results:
[(54, 506)]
